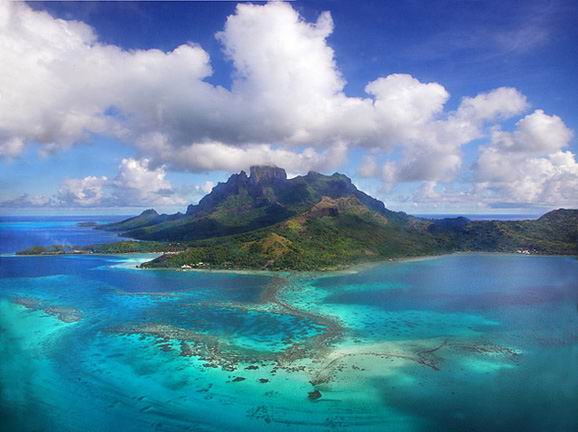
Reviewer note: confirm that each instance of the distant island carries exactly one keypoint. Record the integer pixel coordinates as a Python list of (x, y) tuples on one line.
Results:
[(315, 222), (86, 224)]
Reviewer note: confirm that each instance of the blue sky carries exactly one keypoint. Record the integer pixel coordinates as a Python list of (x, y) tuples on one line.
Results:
[(412, 141)]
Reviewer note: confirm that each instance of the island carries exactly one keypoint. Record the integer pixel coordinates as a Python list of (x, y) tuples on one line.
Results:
[(315, 222)]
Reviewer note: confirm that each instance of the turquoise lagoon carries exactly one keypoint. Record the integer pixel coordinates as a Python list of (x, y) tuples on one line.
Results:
[(456, 343)]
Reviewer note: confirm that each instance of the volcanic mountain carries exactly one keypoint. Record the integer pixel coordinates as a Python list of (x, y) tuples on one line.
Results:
[(316, 221), (247, 202)]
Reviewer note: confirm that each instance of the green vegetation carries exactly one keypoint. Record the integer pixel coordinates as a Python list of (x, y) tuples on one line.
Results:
[(555, 233), (313, 222), (243, 204), (344, 232), (107, 248), (135, 247), (45, 250), (316, 243)]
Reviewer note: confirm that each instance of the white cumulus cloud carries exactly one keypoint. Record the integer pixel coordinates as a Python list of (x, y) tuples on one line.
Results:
[(136, 184), (85, 192), (529, 164), (60, 85)]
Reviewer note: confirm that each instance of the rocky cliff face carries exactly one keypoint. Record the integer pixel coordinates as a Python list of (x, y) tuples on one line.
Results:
[(233, 186), (259, 177), (260, 174)]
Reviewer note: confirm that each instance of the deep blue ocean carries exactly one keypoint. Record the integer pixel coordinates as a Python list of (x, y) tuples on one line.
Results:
[(20, 232), (468, 342)]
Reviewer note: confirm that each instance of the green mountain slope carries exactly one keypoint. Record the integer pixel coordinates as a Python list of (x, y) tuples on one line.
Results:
[(316, 222), (332, 233), (342, 232), (554, 233), (245, 203)]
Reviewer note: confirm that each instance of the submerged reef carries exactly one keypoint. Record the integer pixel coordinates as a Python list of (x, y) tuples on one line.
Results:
[(321, 356), (374, 348), (63, 313)]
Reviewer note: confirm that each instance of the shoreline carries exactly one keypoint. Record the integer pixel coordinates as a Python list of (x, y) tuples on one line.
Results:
[(345, 269), (355, 267)]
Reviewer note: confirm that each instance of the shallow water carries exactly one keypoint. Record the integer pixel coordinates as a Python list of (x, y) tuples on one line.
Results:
[(456, 343)]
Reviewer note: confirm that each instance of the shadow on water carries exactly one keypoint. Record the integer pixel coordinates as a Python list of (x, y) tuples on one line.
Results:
[(531, 398), (20, 409)]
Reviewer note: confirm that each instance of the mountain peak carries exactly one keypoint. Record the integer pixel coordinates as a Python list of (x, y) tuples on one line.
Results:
[(558, 214), (341, 176), (149, 212), (265, 173), (263, 198)]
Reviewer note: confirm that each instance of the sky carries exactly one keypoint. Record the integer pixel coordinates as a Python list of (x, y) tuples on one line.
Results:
[(431, 106)]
